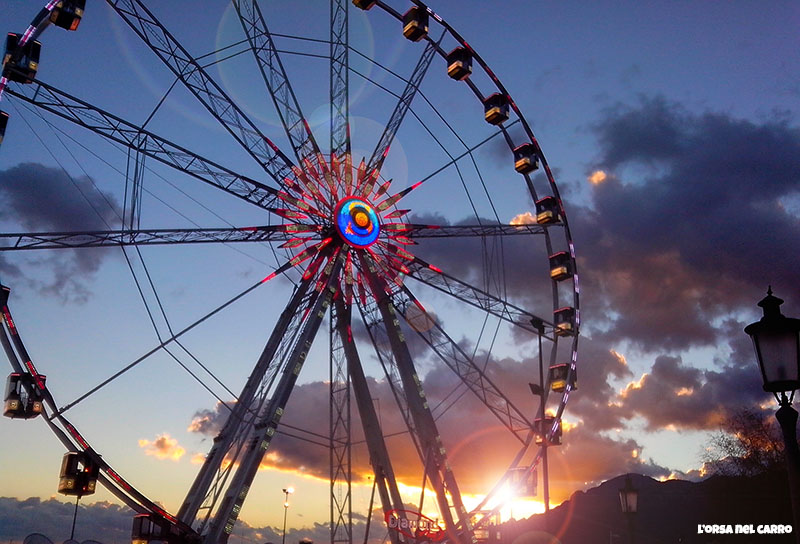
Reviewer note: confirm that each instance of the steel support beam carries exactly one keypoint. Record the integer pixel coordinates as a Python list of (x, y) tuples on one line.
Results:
[(71, 240), (211, 478), (339, 80), (269, 414), (118, 130), (378, 454), (205, 89), (276, 80), (401, 108), (341, 508), (434, 457)]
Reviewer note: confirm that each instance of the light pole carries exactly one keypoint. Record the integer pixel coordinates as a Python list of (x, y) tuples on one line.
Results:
[(776, 339), (286, 492), (628, 500), (542, 392)]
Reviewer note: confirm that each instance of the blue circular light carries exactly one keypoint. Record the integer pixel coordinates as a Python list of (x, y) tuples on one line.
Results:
[(357, 222)]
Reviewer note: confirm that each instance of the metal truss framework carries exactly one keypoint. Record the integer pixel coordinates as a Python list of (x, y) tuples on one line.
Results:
[(214, 501), (263, 47), (265, 233)]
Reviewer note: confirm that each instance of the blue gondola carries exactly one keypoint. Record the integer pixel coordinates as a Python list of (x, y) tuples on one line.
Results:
[(415, 23), (495, 109), (547, 210), (459, 63), (21, 65), (564, 319), (561, 266), (68, 13), (525, 158)]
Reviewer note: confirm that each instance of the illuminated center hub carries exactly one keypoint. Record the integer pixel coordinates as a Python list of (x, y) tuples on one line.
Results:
[(356, 221)]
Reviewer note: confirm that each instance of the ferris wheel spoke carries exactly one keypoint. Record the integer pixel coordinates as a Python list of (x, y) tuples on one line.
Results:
[(339, 79), (452, 231), (62, 240), (378, 453), (464, 367), (205, 89), (401, 108), (433, 455), (276, 80), (434, 277), (116, 129)]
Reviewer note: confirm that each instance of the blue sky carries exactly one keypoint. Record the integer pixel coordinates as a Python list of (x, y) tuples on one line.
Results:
[(688, 109)]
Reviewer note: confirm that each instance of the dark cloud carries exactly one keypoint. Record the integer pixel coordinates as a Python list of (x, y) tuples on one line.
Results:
[(674, 394), (37, 198), (101, 521), (689, 225)]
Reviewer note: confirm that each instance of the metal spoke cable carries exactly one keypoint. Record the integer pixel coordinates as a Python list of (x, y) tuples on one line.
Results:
[(63, 169), (123, 149), (167, 341), (130, 265)]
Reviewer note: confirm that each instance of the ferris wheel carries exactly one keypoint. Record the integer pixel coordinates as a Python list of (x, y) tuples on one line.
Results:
[(389, 229)]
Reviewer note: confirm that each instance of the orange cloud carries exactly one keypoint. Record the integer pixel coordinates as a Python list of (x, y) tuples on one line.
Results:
[(163, 447), (597, 177), (526, 218)]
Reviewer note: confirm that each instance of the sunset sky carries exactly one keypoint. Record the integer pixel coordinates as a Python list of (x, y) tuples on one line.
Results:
[(672, 131)]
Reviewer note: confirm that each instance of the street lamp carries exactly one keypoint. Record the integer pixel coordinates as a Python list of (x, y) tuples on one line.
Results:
[(628, 500), (776, 339), (286, 492)]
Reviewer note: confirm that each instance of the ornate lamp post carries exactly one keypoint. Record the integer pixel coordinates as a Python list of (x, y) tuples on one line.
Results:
[(628, 500), (286, 492), (776, 339)]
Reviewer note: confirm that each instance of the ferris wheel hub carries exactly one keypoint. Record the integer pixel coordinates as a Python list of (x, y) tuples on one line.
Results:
[(356, 222)]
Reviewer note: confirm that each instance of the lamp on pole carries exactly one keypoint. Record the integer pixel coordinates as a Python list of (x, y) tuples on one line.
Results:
[(286, 492), (776, 339), (628, 500)]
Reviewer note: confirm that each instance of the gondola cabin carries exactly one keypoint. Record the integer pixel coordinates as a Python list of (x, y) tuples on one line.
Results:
[(561, 266), (78, 474), (522, 481), (22, 399), (495, 109), (68, 13), (3, 124), (564, 319), (415, 24), (459, 63), (525, 158), (150, 528), (21, 66), (559, 377), (364, 4), (542, 428), (547, 210)]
